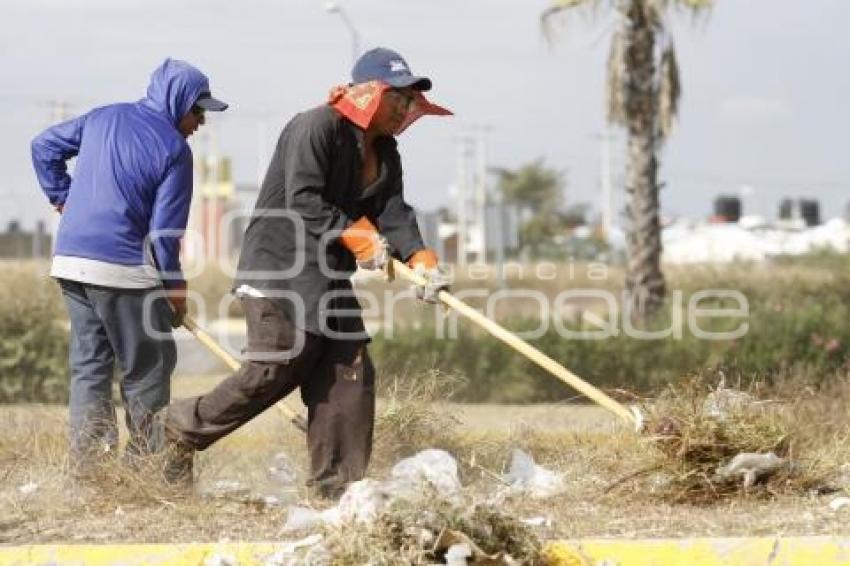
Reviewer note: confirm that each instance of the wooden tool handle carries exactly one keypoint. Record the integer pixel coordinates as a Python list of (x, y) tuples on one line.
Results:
[(599, 397), (204, 338)]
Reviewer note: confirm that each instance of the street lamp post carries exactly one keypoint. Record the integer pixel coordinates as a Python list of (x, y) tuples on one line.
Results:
[(332, 7)]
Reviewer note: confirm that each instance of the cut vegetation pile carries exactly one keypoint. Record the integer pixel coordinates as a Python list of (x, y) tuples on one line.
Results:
[(424, 532), (706, 444)]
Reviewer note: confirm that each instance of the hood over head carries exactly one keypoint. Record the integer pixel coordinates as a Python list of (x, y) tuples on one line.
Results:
[(175, 86)]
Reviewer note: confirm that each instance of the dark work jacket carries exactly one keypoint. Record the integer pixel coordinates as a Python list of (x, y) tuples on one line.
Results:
[(312, 191)]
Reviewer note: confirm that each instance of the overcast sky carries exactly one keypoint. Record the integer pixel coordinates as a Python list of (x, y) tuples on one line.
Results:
[(765, 87)]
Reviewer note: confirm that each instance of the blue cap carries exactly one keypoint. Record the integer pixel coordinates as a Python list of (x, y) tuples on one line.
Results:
[(385, 65)]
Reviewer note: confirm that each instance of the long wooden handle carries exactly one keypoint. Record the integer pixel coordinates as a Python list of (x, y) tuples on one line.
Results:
[(523, 347), (204, 338)]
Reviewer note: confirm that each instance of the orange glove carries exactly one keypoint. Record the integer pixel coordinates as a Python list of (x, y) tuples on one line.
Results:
[(427, 258), (363, 240)]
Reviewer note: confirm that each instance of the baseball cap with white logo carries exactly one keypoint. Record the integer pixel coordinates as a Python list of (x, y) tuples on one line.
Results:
[(382, 64)]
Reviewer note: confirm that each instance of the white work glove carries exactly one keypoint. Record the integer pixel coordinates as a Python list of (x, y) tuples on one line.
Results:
[(438, 280)]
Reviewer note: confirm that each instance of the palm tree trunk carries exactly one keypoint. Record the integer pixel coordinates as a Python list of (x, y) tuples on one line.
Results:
[(645, 286)]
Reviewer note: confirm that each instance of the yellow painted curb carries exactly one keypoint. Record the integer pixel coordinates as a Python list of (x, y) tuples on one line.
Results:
[(745, 551), (781, 551)]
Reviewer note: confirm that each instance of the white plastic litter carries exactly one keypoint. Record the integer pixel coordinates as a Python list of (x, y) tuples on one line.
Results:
[(436, 468), (282, 471), (458, 554), (364, 500), (750, 466), (361, 502), (220, 560), (301, 518), (526, 477), (839, 502), (540, 521), (721, 402), (286, 555), (28, 488), (227, 488)]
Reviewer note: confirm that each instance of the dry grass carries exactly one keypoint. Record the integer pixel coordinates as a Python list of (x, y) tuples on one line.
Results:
[(688, 445), (420, 532), (409, 416), (592, 454)]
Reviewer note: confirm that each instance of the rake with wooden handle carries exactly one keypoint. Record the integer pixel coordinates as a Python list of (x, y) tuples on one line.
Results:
[(631, 416), (204, 338)]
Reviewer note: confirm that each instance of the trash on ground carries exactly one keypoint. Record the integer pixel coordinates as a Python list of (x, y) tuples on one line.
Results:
[(217, 559), (706, 442), (723, 402), (226, 489), (540, 521), (526, 477), (436, 468), (287, 554), (750, 468), (28, 488), (419, 513), (282, 470), (839, 503), (364, 500), (461, 550)]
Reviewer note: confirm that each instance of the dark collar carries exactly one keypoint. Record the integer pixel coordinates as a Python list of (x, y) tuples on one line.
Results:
[(359, 134)]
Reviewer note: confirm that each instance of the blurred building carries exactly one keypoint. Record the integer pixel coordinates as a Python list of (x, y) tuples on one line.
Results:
[(16, 243), (220, 211), (726, 209), (799, 213)]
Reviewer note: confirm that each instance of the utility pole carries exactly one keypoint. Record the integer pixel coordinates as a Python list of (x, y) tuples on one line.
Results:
[(262, 147), (605, 182), (462, 196), (332, 7), (481, 189), (59, 111)]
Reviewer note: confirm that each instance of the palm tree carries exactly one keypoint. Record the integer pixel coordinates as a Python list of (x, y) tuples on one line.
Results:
[(643, 92)]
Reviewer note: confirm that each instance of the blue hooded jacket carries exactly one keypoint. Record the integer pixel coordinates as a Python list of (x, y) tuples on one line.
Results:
[(132, 183)]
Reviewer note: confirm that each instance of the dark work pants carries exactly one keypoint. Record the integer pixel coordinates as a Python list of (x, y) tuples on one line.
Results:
[(337, 382), (108, 325)]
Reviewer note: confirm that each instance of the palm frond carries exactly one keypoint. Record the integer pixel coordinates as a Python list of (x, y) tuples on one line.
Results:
[(550, 17), (669, 90), (696, 5)]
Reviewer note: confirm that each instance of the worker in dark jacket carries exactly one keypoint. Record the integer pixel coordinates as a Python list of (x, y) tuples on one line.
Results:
[(118, 245), (332, 200)]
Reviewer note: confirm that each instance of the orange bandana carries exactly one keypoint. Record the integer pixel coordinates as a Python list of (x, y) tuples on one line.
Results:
[(359, 103)]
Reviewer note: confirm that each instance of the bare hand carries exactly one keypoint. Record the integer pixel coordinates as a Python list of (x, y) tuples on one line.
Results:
[(177, 300)]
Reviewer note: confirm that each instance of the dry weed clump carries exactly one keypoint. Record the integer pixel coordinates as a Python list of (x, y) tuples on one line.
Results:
[(695, 433), (420, 532), (410, 417)]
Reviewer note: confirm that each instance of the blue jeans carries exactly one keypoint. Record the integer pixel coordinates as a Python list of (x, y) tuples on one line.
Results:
[(109, 325)]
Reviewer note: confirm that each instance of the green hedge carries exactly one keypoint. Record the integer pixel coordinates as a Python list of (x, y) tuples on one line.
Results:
[(796, 325), (799, 322), (33, 340)]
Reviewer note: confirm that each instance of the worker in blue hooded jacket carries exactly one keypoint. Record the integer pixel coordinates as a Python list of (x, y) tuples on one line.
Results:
[(117, 254)]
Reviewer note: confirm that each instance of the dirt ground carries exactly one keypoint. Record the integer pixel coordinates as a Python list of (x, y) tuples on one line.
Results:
[(40, 503)]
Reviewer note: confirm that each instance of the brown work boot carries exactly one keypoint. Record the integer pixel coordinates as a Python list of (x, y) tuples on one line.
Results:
[(178, 464)]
